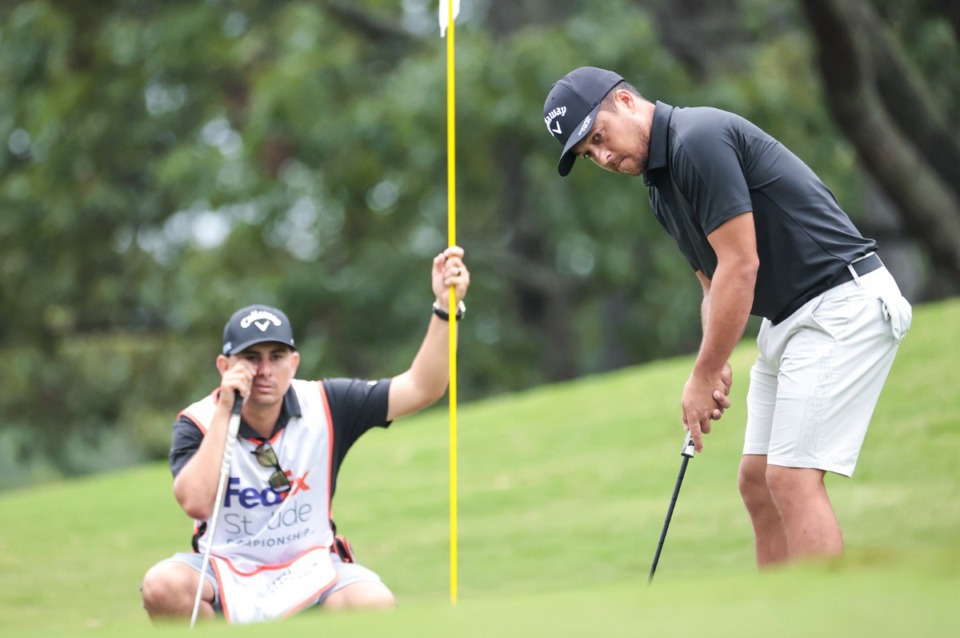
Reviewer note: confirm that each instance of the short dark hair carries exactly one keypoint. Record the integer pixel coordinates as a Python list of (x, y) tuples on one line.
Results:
[(606, 104)]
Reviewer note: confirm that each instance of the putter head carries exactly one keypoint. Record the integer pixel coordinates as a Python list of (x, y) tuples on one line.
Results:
[(688, 447)]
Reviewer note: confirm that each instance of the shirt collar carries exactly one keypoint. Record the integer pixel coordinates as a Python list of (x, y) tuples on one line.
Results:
[(657, 154)]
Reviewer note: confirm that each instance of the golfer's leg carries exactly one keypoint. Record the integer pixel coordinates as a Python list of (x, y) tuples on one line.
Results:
[(803, 442), (770, 538), (830, 378), (169, 590), (812, 530)]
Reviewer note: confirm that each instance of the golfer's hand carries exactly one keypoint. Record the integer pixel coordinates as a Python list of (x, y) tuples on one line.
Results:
[(705, 399), (721, 394), (449, 270)]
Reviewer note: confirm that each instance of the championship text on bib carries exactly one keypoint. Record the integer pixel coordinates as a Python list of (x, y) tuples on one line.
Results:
[(273, 591)]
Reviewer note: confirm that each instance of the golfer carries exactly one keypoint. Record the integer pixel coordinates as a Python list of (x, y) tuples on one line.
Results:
[(764, 236), (275, 549)]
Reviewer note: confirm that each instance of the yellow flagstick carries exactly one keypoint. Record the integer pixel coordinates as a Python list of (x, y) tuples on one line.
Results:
[(452, 240)]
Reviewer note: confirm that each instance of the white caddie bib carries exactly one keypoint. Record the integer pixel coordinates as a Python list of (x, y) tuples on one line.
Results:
[(275, 591), (271, 551)]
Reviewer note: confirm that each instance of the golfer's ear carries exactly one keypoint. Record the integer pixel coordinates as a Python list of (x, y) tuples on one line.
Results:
[(625, 99), (223, 363)]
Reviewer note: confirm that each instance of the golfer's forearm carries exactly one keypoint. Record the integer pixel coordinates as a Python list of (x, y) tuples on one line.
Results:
[(725, 312)]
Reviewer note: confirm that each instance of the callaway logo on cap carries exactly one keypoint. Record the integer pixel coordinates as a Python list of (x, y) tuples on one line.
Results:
[(572, 105), (256, 324)]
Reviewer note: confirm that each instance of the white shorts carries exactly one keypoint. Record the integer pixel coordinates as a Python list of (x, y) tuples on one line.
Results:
[(347, 574), (819, 374)]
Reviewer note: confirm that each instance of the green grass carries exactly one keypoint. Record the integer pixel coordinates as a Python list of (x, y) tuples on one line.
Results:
[(562, 494)]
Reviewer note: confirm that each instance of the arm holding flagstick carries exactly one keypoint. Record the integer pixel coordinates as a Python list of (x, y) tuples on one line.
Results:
[(428, 376)]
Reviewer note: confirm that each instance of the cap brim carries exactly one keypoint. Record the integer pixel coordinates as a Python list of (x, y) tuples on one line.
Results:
[(568, 157), (243, 346)]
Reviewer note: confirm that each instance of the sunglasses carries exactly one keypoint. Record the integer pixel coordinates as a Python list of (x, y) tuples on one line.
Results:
[(266, 457)]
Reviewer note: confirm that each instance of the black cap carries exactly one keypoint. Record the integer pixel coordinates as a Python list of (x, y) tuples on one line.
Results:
[(572, 105), (256, 324)]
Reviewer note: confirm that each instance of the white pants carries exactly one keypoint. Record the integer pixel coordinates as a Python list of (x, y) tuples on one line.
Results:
[(819, 374)]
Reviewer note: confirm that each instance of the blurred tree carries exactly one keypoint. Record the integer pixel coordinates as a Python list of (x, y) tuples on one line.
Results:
[(902, 124), (165, 163), (707, 36)]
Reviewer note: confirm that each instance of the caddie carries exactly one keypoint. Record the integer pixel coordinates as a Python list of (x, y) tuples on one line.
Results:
[(275, 548)]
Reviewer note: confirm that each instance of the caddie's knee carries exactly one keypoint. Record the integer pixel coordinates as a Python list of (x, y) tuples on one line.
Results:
[(163, 592), (381, 598), (362, 595)]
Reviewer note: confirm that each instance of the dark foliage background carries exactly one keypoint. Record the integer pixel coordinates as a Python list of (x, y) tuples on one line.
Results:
[(164, 163)]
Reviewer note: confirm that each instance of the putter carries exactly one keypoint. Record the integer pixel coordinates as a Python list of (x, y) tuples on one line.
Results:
[(228, 446), (687, 453)]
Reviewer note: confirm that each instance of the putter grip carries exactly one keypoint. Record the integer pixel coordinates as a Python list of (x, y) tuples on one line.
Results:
[(232, 430)]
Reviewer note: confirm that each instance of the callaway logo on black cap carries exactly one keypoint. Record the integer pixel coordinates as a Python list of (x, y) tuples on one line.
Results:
[(256, 324), (572, 106)]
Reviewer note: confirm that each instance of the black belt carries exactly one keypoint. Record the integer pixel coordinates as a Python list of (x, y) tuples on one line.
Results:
[(866, 265), (862, 266)]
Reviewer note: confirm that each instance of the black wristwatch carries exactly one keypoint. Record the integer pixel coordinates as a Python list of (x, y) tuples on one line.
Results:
[(443, 314)]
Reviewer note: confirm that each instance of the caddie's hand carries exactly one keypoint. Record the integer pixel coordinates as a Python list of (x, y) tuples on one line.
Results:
[(236, 378), (449, 270)]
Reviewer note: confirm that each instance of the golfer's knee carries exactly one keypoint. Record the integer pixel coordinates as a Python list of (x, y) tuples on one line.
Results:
[(754, 491), (778, 481), (794, 484)]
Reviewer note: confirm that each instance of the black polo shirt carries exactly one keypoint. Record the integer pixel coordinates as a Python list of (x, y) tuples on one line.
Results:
[(707, 166)]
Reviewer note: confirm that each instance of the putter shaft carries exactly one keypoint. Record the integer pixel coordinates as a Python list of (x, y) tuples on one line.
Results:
[(687, 453)]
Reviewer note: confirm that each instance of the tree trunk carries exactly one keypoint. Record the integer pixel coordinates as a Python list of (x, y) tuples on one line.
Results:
[(900, 138), (704, 34)]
